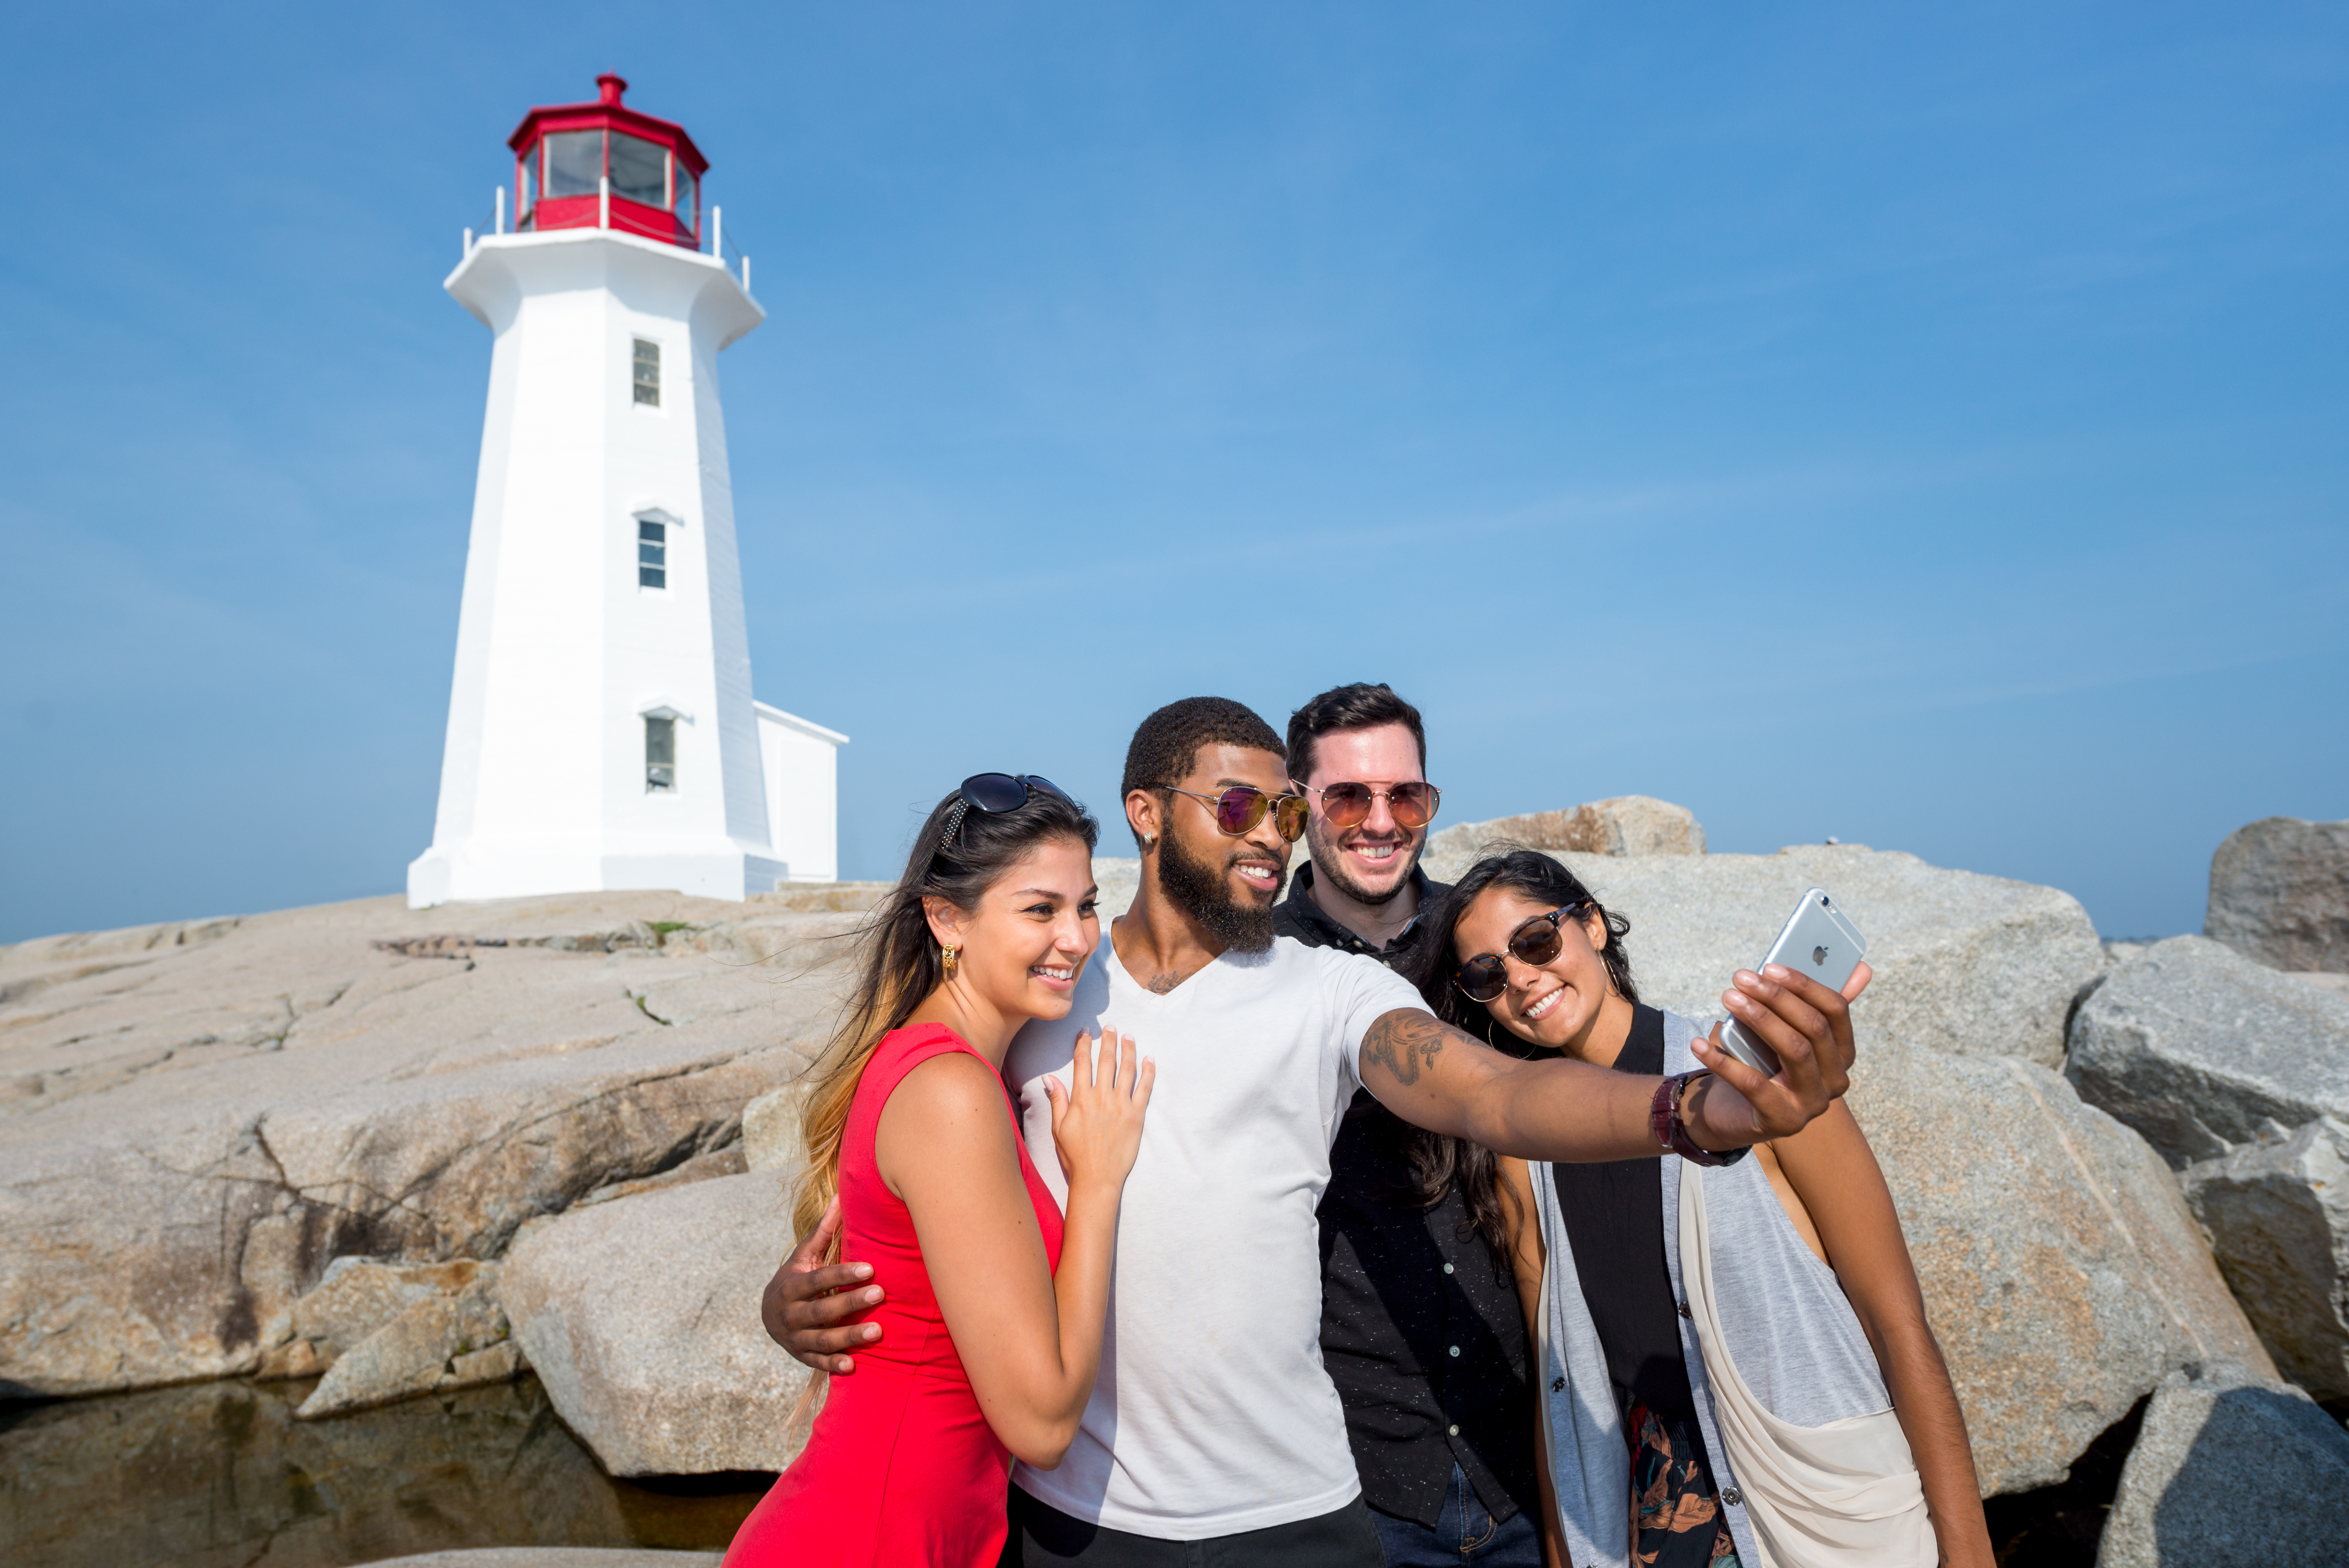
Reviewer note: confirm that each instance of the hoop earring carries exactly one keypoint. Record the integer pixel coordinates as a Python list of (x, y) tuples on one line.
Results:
[(948, 956)]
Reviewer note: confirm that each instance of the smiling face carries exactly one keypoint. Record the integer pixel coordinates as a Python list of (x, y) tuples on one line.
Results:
[(1559, 1004), (1226, 885), (1022, 950), (1371, 861)]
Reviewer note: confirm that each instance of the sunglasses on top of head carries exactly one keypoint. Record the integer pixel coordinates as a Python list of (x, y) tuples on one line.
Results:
[(1534, 942), (1348, 805), (1239, 809), (996, 793)]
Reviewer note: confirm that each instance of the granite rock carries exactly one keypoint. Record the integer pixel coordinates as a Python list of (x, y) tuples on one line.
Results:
[(1964, 964), (356, 1296), (2061, 1269), (2277, 1213), (2280, 893), (443, 1339), (2200, 1049), (1119, 878), (641, 1318), (2230, 1473), (1622, 825), (196, 1121), (771, 1128)]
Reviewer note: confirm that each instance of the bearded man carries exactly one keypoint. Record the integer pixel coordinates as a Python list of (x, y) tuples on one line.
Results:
[(1213, 1433)]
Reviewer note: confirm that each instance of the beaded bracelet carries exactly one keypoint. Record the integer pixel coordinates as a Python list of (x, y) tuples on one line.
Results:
[(1672, 1132)]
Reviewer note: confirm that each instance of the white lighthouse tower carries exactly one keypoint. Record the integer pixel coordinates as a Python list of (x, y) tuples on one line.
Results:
[(602, 732)]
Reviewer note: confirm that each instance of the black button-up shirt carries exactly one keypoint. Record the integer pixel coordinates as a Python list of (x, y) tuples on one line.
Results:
[(1421, 1329)]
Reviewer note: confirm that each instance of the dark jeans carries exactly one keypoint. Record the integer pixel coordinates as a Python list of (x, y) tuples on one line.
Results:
[(1042, 1536), (1464, 1532)]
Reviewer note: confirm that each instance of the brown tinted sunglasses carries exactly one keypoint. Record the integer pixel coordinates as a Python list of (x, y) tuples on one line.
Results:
[(1413, 805), (1533, 944), (1239, 809)]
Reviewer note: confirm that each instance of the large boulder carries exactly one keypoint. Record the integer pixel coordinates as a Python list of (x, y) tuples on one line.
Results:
[(1964, 964), (2277, 1214), (2061, 1270), (2230, 1473), (196, 1121), (2280, 893), (641, 1318), (2201, 1049), (1622, 825)]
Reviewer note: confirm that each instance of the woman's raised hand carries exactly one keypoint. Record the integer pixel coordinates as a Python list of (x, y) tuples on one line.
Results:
[(1808, 1025), (1097, 1120)]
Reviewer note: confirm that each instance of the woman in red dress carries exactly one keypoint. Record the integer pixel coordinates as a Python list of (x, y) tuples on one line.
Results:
[(996, 1301)]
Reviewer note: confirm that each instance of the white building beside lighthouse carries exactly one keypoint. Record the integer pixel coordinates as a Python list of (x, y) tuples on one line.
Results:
[(601, 733)]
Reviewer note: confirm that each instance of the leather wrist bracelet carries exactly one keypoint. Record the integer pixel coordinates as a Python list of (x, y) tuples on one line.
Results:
[(1672, 1132)]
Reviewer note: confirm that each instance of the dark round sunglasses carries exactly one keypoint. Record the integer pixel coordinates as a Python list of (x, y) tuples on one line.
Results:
[(1348, 805), (1239, 809), (1533, 944), (996, 793)]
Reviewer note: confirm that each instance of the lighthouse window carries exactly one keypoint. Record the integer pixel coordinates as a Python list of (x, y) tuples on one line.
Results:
[(652, 553), (575, 163), (660, 755), (647, 374), (685, 196), (639, 169)]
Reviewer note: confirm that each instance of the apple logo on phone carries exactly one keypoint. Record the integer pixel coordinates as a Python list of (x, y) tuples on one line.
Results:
[(1818, 957)]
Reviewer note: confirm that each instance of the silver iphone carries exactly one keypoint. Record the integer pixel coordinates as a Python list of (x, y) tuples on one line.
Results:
[(1816, 941)]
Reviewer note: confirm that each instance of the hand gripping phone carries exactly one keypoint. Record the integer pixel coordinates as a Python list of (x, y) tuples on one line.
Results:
[(1816, 941)]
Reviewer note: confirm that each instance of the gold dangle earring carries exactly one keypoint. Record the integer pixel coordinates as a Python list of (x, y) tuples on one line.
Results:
[(946, 955)]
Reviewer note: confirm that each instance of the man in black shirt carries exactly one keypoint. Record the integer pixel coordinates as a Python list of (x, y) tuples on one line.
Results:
[(1421, 1329)]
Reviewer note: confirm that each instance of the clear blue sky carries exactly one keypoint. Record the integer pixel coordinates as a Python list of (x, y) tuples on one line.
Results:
[(1920, 425)]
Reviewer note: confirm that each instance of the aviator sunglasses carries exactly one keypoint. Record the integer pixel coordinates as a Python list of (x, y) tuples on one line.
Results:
[(1240, 808), (996, 793), (1533, 944), (1348, 805)]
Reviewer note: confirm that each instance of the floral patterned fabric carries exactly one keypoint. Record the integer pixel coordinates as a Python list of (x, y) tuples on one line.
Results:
[(1675, 1518)]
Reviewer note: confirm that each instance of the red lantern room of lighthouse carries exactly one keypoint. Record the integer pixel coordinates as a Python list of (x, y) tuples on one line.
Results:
[(604, 165)]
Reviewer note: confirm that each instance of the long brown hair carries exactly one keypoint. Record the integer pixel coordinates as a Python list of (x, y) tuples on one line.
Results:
[(958, 854), (1440, 1164)]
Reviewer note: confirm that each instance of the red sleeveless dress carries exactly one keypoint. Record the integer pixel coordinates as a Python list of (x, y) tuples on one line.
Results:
[(901, 1469)]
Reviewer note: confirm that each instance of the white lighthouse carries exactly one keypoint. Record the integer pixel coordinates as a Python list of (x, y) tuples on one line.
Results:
[(602, 732)]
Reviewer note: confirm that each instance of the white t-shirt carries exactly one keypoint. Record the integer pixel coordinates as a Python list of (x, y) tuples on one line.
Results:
[(1213, 1414)]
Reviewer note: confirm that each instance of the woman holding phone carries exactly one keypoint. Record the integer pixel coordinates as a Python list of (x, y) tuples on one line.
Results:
[(996, 1299), (1748, 1359)]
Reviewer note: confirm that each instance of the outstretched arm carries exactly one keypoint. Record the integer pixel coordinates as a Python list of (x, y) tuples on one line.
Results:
[(1430, 1073)]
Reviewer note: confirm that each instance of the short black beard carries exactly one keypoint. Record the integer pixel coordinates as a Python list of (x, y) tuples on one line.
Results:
[(1339, 879), (1199, 891)]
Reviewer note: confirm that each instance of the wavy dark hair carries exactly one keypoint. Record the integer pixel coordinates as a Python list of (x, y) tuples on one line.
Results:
[(1439, 1163)]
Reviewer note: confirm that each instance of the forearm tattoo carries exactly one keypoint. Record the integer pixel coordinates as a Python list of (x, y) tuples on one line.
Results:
[(1406, 1044)]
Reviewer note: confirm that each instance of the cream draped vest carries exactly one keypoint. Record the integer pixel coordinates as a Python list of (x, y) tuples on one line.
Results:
[(1812, 1465)]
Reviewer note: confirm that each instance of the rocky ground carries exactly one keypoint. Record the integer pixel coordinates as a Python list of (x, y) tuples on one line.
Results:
[(408, 1153)]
